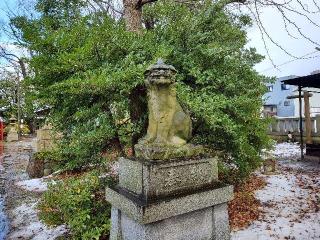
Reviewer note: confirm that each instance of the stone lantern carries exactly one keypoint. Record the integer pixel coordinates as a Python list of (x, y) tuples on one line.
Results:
[(13, 133), (12, 120)]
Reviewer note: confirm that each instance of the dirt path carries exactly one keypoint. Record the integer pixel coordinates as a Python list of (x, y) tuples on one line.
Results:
[(20, 202), (291, 202)]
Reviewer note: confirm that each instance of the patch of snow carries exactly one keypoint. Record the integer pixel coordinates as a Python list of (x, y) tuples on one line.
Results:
[(306, 165), (114, 168), (27, 225), (282, 184), (286, 208), (3, 221), (286, 151), (53, 174), (33, 185)]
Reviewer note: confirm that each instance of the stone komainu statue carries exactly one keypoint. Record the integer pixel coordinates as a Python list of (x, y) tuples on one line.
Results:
[(169, 126), (168, 123)]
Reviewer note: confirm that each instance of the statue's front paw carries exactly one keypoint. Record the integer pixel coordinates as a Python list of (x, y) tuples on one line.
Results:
[(178, 141), (161, 141), (146, 140)]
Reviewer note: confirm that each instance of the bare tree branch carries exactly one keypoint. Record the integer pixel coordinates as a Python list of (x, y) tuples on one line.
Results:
[(288, 9), (296, 27), (267, 33), (263, 38), (316, 4)]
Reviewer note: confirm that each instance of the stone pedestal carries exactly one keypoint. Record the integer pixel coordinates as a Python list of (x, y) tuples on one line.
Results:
[(169, 199), (47, 138), (168, 192), (269, 166), (12, 135)]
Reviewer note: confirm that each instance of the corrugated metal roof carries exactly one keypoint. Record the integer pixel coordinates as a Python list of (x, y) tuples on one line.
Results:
[(306, 81)]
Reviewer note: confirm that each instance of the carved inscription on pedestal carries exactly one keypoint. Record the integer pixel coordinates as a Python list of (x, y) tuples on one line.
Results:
[(170, 179)]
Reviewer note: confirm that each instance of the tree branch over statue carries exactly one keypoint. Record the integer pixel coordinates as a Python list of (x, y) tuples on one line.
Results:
[(285, 9), (132, 9)]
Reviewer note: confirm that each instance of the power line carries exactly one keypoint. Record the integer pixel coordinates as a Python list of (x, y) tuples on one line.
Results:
[(293, 60)]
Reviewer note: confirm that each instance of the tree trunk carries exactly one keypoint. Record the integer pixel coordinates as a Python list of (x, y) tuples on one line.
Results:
[(138, 108), (132, 15), (133, 20), (23, 68), (24, 75)]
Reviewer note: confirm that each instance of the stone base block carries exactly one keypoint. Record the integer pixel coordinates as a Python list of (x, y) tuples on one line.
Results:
[(12, 137), (145, 212), (269, 166), (45, 145), (311, 158), (169, 200), (205, 224), (154, 179), (166, 152)]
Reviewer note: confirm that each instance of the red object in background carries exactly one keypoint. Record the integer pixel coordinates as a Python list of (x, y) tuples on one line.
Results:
[(2, 126), (1, 152)]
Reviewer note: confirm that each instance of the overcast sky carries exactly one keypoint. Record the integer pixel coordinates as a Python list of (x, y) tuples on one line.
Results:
[(273, 24)]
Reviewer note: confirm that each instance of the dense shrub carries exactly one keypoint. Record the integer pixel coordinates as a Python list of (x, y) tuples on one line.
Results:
[(78, 202), (51, 156), (90, 70)]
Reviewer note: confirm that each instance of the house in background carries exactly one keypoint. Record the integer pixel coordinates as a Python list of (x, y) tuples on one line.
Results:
[(275, 100), (277, 104)]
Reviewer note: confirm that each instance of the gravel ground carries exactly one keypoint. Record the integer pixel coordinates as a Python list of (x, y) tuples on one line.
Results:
[(22, 196), (290, 201)]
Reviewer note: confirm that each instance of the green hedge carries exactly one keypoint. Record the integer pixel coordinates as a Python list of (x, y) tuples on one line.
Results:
[(80, 203)]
